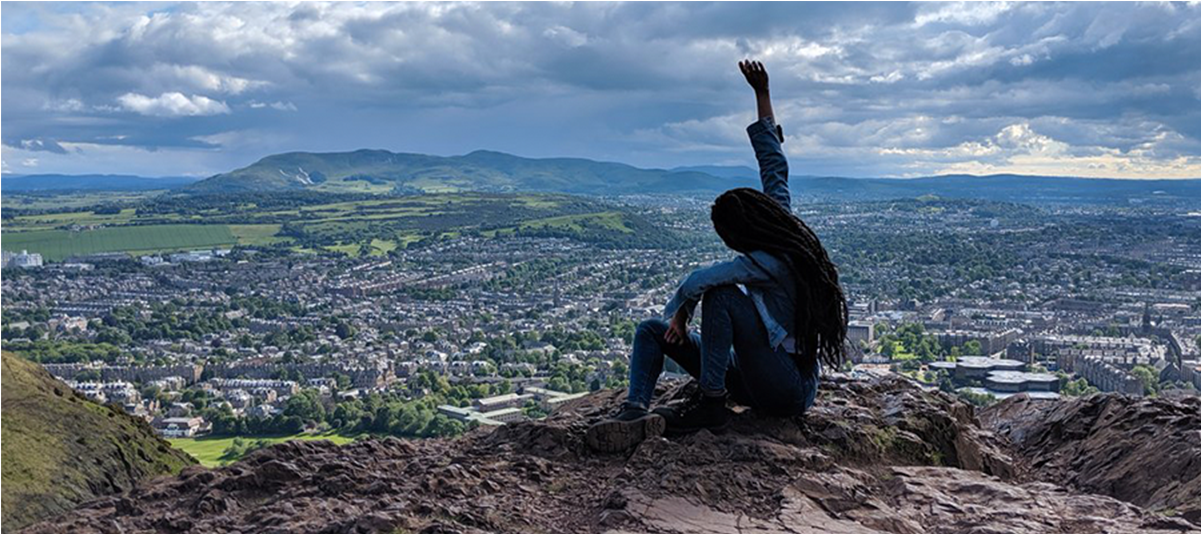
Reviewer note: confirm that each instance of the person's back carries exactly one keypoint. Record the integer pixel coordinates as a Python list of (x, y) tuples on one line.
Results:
[(771, 314)]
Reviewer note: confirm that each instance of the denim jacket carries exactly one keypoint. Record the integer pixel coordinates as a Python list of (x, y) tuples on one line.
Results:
[(766, 279)]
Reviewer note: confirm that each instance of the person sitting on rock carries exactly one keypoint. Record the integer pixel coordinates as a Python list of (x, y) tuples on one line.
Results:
[(772, 316)]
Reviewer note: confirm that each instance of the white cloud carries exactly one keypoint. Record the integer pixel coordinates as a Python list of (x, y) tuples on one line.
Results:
[(29, 162), (648, 83), (278, 106), (892, 77), (566, 35), (965, 13), (172, 105), (201, 78), (1018, 149)]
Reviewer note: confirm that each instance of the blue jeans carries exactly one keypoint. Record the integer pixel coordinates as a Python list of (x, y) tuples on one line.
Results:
[(731, 352)]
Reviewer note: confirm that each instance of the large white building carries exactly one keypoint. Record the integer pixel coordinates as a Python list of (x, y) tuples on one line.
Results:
[(23, 260)]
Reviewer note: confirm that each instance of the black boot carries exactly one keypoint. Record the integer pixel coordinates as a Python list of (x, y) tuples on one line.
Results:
[(628, 428), (699, 411)]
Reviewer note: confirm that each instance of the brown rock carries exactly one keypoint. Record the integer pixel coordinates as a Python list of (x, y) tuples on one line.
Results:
[(879, 456)]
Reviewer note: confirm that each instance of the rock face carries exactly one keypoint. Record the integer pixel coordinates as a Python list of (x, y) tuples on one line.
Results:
[(877, 456), (60, 449), (1143, 451)]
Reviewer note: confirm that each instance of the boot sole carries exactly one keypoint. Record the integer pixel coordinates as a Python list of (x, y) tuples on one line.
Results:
[(616, 436)]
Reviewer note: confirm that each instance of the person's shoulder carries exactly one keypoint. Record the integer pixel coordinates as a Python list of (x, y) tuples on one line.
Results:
[(764, 259)]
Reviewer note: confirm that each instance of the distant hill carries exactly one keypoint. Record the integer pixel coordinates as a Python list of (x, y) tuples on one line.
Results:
[(1001, 188), (90, 182), (60, 449), (381, 171), (737, 172)]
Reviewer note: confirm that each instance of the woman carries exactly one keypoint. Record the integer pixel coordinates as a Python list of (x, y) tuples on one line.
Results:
[(772, 315)]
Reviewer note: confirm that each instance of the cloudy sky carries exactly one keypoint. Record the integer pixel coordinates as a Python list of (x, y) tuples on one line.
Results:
[(1110, 90)]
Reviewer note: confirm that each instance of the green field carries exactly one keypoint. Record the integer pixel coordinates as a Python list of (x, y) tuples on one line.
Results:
[(51, 221), (342, 226), (73, 200), (55, 245), (208, 450)]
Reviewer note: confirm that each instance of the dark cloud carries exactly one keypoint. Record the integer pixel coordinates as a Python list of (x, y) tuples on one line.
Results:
[(867, 88)]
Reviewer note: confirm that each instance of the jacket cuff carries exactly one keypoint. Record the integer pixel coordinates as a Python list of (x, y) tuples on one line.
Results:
[(766, 125)]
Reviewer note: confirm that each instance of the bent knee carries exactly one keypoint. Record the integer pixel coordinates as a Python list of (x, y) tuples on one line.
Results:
[(652, 326), (723, 292)]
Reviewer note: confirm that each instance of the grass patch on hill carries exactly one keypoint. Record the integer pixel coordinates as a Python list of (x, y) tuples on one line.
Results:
[(209, 451), (61, 449)]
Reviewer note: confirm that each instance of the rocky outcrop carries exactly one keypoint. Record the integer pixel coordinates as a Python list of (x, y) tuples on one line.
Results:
[(1143, 451), (877, 456)]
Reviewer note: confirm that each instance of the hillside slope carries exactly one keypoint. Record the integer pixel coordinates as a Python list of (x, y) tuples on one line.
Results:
[(874, 456), (59, 449)]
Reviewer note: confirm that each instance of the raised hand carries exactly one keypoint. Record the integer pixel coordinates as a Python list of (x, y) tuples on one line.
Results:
[(755, 74)]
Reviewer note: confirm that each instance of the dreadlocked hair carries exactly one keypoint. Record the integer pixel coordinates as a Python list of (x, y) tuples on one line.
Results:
[(748, 220)]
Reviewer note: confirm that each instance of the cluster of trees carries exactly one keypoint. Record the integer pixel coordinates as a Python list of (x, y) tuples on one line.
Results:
[(1149, 377), (382, 414), (910, 338), (63, 351), (573, 340), (165, 320), (1074, 388), (976, 399)]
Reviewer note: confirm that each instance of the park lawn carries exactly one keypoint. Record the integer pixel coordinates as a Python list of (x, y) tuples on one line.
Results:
[(208, 450), (349, 249), (55, 245), (900, 354), (381, 247)]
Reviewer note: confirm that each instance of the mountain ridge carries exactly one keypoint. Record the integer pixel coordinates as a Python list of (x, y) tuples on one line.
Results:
[(383, 171)]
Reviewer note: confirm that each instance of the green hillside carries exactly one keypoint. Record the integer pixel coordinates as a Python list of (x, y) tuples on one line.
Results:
[(59, 449), (381, 171)]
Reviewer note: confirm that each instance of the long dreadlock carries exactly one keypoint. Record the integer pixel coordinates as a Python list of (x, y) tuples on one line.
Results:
[(748, 220)]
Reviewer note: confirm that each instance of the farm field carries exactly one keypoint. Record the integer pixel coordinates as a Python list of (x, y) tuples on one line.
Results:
[(372, 226), (56, 245), (72, 200), (209, 450), (51, 221)]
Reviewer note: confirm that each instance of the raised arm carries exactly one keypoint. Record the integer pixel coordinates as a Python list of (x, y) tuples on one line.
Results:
[(766, 136)]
